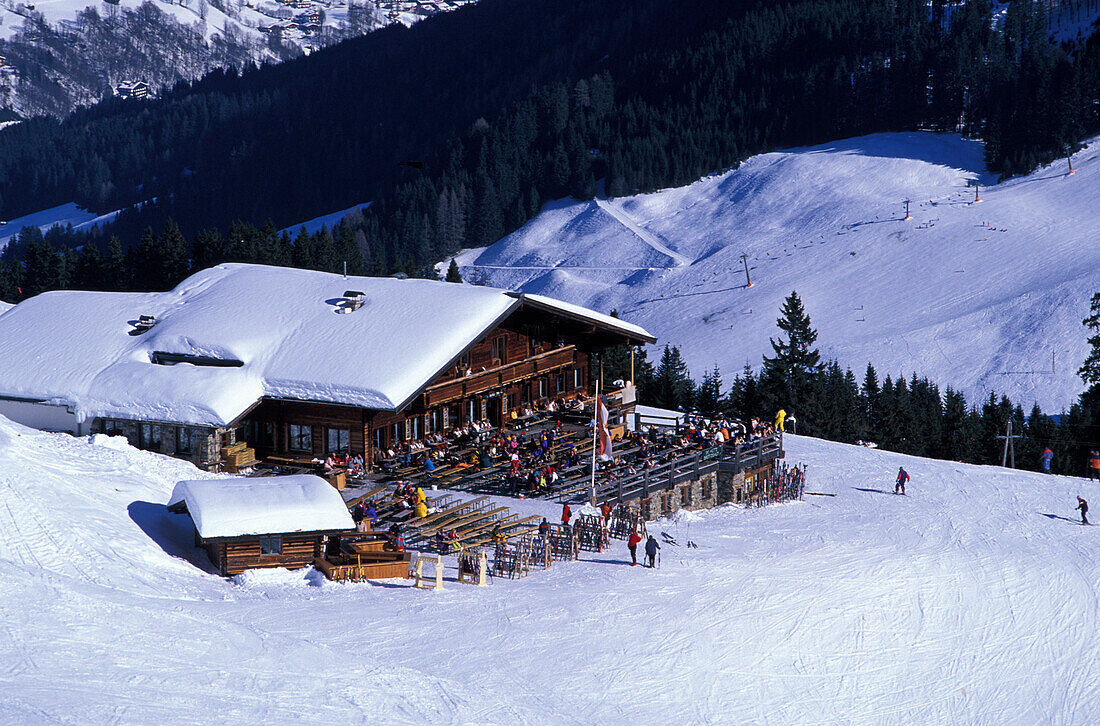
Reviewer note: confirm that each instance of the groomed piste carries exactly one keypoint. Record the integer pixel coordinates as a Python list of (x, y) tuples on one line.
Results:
[(971, 600), (981, 296)]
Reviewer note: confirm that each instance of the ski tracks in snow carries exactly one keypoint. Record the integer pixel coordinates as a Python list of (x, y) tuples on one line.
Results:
[(644, 235)]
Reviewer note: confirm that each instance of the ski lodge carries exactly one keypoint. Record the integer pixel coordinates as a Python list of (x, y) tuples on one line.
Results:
[(242, 362)]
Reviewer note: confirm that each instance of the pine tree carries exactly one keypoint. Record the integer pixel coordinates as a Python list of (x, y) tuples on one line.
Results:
[(673, 387), (117, 273), (90, 270), (453, 275), (869, 398), (787, 377), (709, 397), (1090, 369)]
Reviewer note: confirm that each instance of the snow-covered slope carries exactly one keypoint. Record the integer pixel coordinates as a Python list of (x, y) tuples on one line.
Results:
[(981, 296), (62, 215), (972, 600)]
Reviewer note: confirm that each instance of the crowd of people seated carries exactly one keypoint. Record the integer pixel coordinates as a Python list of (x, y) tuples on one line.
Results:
[(479, 445), (342, 460), (653, 446)]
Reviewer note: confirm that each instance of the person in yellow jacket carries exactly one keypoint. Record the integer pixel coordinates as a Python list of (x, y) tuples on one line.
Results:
[(419, 496), (420, 510), (779, 418)]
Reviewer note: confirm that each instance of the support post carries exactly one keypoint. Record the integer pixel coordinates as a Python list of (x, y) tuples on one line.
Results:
[(595, 438), (421, 581)]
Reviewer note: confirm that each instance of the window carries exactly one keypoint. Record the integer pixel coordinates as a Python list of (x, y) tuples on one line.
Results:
[(435, 421), (271, 544), (414, 428), (379, 438), (446, 419), (264, 435), (685, 496), (301, 438), (542, 388), (463, 364), (471, 410), (397, 432), (578, 378), (184, 438), (560, 386), (338, 440), (152, 437), (484, 408), (500, 349), (504, 403), (706, 489), (534, 339), (525, 393)]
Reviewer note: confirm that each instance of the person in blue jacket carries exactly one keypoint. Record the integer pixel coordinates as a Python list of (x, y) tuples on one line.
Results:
[(1048, 456), (899, 485)]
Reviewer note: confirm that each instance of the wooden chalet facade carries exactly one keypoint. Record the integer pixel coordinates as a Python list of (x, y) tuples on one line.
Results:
[(302, 371), (233, 555), (532, 357)]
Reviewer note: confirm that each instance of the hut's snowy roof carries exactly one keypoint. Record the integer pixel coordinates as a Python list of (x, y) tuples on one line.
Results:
[(247, 331), (262, 505)]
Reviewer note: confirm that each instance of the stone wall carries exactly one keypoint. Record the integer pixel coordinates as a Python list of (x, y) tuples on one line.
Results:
[(736, 487), (700, 493), (205, 442)]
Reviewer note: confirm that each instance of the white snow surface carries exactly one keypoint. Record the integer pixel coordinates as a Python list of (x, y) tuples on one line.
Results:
[(262, 505), (972, 600), (979, 296), (327, 221), (287, 328), (62, 215)]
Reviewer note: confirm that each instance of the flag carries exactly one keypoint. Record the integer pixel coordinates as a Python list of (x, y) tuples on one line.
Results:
[(603, 449)]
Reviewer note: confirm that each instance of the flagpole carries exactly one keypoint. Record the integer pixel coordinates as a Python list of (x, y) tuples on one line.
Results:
[(595, 434)]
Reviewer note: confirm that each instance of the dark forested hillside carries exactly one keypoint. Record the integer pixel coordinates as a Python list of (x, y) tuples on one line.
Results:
[(503, 105)]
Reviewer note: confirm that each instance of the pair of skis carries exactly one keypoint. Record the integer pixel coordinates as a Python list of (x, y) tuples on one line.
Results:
[(669, 539)]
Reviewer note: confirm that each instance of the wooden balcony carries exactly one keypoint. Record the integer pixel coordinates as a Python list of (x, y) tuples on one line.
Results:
[(499, 377)]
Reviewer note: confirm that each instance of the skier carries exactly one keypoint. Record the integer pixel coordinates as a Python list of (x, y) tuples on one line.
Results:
[(632, 545), (1083, 506), (779, 418), (566, 514), (1048, 456), (544, 528), (1094, 464), (903, 476), (651, 548)]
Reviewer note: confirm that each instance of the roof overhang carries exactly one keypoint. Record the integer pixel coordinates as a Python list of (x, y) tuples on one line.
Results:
[(633, 334)]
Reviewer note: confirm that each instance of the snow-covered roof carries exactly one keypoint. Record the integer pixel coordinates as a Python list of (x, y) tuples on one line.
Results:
[(262, 505), (576, 311), (237, 333)]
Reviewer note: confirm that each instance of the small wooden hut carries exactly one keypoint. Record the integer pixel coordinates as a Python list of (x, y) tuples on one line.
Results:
[(278, 521)]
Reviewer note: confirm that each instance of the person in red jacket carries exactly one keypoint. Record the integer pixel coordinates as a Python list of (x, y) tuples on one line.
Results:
[(632, 544), (1094, 465), (566, 514)]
